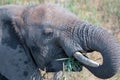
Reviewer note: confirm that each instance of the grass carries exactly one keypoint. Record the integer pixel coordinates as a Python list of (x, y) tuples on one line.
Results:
[(84, 10), (105, 13)]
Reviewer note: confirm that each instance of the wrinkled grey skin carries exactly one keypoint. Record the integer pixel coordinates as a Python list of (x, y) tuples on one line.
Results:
[(35, 36)]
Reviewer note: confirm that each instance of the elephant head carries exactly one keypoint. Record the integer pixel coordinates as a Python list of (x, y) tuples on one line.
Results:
[(50, 32)]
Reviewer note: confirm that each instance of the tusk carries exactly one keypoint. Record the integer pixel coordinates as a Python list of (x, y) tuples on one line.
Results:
[(85, 60)]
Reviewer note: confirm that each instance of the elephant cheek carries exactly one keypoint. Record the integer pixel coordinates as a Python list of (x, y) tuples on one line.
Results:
[(55, 66)]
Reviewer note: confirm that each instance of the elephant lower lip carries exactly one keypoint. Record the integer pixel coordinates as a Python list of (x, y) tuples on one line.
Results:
[(85, 60)]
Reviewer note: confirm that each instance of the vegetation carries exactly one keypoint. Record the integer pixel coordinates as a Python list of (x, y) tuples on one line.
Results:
[(104, 13)]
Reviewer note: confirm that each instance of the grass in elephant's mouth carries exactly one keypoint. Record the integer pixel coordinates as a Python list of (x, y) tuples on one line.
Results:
[(71, 64)]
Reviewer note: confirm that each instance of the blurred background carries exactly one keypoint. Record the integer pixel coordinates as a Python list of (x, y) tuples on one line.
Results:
[(104, 13)]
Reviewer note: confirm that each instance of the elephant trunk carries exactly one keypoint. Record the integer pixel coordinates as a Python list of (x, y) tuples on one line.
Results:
[(96, 39)]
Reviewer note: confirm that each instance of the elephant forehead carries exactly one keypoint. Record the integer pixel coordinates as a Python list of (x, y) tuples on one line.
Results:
[(36, 14), (59, 15), (50, 13)]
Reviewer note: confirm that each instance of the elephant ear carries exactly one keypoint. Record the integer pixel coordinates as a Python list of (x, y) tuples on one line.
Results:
[(18, 25), (15, 61), (16, 22)]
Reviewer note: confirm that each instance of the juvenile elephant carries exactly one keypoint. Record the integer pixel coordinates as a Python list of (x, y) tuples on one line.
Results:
[(33, 37)]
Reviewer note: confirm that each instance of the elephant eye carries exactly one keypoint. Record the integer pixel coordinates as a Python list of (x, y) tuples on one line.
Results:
[(48, 32)]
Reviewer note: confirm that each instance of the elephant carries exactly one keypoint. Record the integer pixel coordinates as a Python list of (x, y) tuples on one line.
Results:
[(33, 37)]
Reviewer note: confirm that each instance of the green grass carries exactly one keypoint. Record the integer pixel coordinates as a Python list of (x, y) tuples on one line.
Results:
[(111, 7)]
